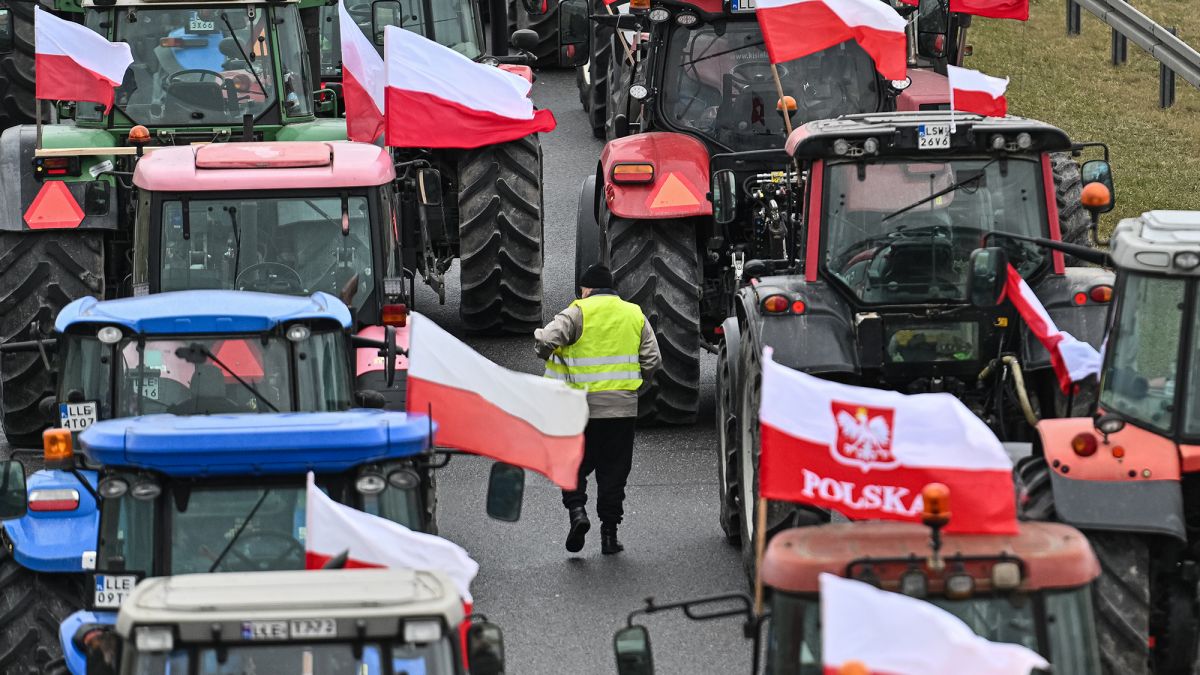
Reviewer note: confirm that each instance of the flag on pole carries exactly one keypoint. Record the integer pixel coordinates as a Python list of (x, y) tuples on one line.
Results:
[(438, 98), (868, 452), (1072, 360), (993, 9), (893, 633), (75, 63), (483, 408), (972, 91), (796, 28), (332, 529), (363, 80)]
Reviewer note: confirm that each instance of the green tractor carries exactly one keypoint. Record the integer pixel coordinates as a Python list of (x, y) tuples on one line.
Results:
[(202, 73)]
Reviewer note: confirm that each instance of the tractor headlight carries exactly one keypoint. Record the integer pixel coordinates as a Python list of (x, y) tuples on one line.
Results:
[(112, 487), (1187, 260), (145, 489), (154, 639), (659, 15), (109, 335), (370, 484), (686, 19), (639, 91), (298, 333), (404, 479)]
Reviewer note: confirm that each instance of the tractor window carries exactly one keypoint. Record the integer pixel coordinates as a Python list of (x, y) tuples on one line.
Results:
[(328, 658), (213, 519), (721, 86), (291, 245), (127, 528), (1071, 630), (323, 372), (922, 254), (85, 374), (1140, 368)]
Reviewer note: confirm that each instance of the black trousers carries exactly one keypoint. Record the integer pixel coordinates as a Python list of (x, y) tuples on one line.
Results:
[(607, 450)]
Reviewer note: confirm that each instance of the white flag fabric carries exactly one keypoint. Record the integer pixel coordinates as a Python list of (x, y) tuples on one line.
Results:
[(74, 62), (363, 80)]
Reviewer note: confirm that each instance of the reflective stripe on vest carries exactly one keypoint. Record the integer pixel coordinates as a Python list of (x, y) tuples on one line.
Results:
[(605, 357)]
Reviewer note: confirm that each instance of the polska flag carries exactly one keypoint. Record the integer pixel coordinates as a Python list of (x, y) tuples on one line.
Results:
[(892, 633), (867, 452), (992, 9), (796, 28), (483, 408), (363, 80), (74, 63), (1072, 360), (438, 98), (972, 91)]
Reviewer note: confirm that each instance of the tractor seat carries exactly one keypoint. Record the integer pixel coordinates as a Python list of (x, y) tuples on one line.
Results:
[(208, 393)]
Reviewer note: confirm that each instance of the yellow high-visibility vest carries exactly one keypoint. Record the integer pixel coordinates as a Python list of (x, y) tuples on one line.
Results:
[(605, 357)]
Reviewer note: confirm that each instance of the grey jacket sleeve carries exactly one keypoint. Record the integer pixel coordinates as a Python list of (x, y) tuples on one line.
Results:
[(564, 330), (648, 354)]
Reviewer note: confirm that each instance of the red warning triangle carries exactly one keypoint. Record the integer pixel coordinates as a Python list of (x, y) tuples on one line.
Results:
[(54, 207), (241, 359), (673, 194)]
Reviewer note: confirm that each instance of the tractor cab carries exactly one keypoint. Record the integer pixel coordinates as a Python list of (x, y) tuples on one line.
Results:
[(323, 621)]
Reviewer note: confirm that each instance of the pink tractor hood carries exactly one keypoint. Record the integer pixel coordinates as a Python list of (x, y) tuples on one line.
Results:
[(264, 166)]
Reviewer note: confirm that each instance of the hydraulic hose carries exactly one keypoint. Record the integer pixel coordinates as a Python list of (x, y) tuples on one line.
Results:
[(1018, 383)]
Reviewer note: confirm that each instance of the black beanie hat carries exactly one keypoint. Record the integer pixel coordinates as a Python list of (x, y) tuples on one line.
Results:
[(596, 276)]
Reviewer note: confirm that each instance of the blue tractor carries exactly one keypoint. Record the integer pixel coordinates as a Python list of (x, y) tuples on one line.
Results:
[(186, 353), (220, 493)]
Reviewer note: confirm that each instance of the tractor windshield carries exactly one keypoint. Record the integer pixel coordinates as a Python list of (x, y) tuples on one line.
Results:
[(451, 23), (719, 84), (1143, 350), (324, 658), (888, 253), (294, 245), (794, 639), (206, 66)]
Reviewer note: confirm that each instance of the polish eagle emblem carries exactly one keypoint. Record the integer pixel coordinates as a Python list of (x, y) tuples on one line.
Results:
[(864, 436)]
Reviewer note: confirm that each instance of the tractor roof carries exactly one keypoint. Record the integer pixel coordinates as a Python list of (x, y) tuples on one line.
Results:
[(256, 444), (1054, 555), (376, 599), (196, 312), (896, 133), (1150, 242), (264, 166)]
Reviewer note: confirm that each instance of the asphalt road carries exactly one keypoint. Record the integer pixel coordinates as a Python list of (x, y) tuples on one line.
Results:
[(559, 610)]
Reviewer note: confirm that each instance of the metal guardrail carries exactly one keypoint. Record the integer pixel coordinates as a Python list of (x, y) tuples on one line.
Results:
[(1174, 55)]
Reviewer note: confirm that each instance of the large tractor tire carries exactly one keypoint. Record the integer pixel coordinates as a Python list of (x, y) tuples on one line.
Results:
[(620, 78), (1122, 592), (32, 606), (546, 27), (1074, 223), (728, 434), (589, 242), (600, 70), (500, 237), (17, 104), (656, 265), (39, 274)]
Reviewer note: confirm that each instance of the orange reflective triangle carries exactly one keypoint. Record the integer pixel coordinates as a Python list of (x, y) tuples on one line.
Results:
[(53, 207), (241, 359), (673, 194)]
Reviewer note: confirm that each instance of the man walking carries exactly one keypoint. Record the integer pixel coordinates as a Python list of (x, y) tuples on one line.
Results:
[(604, 345)]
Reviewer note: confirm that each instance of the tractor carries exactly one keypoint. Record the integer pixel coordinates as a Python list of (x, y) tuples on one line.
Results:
[(492, 218), (202, 73), (1128, 474), (178, 495), (1033, 589), (322, 621), (881, 244)]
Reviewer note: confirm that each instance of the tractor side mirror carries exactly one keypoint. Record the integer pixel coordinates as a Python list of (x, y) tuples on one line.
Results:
[(988, 271), (632, 647), (485, 648), (429, 185), (1098, 171), (523, 39), (13, 498), (505, 492), (724, 196), (385, 13), (389, 356), (575, 33), (620, 123)]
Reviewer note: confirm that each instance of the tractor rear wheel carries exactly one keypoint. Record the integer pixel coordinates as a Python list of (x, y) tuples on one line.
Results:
[(17, 104), (32, 605), (546, 26), (1073, 221), (500, 237), (656, 265), (728, 404), (599, 71), (40, 272)]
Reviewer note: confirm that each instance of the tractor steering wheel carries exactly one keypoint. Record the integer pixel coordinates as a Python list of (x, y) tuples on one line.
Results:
[(268, 279), (755, 72), (292, 550), (178, 75)]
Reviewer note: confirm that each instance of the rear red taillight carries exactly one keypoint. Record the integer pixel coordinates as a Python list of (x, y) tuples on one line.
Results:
[(798, 307), (53, 500), (1084, 444), (775, 304), (633, 173), (1081, 298), (394, 315), (1102, 293)]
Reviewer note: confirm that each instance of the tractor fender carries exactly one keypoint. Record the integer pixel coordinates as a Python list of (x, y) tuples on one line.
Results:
[(83, 620), (57, 209), (731, 333), (589, 248), (820, 341), (928, 91), (55, 541), (1139, 492), (680, 185), (1086, 322), (369, 368)]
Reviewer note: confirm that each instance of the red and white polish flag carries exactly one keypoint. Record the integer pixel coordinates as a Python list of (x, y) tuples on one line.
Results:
[(363, 80), (74, 63), (895, 634), (486, 409), (438, 98), (868, 452), (972, 91), (370, 541), (796, 28), (1072, 360)]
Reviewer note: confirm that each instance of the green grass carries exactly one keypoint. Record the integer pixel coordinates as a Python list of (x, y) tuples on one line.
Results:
[(1070, 82)]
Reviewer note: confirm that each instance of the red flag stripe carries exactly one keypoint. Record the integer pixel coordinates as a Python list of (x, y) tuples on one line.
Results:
[(363, 121), (796, 28), (993, 9), (980, 103), (1072, 360), (61, 78), (429, 121)]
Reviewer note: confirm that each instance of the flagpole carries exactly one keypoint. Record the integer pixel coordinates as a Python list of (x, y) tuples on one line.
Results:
[(760, 540), (787, 114), (37, 145)]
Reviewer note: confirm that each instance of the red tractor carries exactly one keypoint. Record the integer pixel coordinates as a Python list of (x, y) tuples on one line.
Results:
[(1129, 475)]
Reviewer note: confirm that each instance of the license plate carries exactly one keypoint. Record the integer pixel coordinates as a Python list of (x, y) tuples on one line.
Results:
[(933, 137), (150, 388), (77, 416), (201, 26), (314, 628), (112, 589), (743, 5)]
